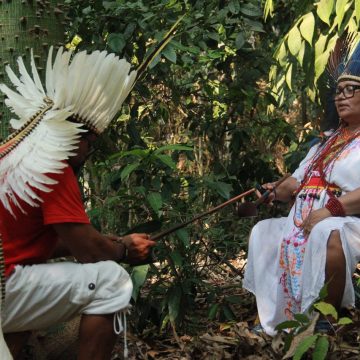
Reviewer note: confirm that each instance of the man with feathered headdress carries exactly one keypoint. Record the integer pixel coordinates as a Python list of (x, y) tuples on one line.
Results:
[(40, 202)]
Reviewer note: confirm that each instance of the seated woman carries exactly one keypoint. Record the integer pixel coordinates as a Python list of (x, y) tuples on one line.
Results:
[(290, 259)]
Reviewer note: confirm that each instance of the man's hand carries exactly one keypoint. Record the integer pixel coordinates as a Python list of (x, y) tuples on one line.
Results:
[(313, 218), (138, 247)]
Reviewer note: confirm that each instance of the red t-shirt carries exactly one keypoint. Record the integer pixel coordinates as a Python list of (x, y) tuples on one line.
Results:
[(29, 238)]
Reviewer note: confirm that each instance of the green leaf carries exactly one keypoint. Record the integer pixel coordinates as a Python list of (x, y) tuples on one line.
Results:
[(228, 313), (177, 258), (320, 45), (138, 277), (141, 153), (302, 318), (281, 54), (239, 40), (213, 311), (173, 148), (116, 42), (290, 324), (344, 321), (170, 53), (294, 40), (307, 27), (357, 11), (321, 348), (128, 170), (183, 235), (324, 10), (288, 76), (155, 201), (234, 6), (320, 64), (268, 9), (173, 301), (167, 160), (340, 7), (304, 346), (250, 10), (223, 189), (301, 54), (326, 309)]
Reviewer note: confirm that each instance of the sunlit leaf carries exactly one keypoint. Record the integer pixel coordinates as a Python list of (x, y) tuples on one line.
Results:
[(307, 27), (321, 348), (344, 321), (288, 76), (357, 11), (294, 40), (138, 277), (340, 7), (301, 54), (326, 309), (324, 10), (268, 9)]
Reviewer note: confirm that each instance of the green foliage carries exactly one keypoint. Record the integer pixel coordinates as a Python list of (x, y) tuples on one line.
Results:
[(193, 133), (303, 336), (302, 53)]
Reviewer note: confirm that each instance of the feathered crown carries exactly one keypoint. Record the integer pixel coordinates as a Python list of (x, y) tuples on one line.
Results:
[(89, 87), (344, 60)]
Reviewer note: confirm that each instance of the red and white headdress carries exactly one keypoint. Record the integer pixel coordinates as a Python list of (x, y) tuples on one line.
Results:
[(90, 88)]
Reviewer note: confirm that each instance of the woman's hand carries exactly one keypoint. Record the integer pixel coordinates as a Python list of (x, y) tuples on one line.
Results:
[(313, 218), (271, 197)]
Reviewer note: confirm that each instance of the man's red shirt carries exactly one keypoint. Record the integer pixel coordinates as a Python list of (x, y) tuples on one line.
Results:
[(29, 238)]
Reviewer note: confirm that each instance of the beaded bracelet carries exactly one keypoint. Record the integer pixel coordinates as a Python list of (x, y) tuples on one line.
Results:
[(335, 207)]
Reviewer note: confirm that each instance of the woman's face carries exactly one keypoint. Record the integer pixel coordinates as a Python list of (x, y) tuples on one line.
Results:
[(348, 106)]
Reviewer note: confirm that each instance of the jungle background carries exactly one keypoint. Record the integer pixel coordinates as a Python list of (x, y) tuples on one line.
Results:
[(236, 98)]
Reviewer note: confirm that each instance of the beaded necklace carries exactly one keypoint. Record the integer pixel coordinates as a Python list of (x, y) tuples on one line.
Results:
[(328, 153), (325, 159)]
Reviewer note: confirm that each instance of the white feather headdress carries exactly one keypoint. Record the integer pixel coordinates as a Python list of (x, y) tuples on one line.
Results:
[(89, 87)]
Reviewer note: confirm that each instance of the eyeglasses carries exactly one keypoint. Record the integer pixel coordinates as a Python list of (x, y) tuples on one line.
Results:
[(348, 91)]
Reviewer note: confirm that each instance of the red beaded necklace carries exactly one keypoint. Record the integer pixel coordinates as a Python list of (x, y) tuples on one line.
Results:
[(328, 153)]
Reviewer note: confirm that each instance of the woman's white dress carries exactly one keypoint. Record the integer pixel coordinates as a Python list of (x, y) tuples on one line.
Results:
[(285, 270)]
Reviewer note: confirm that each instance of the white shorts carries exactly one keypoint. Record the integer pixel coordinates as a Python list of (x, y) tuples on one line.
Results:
[(39, 296)]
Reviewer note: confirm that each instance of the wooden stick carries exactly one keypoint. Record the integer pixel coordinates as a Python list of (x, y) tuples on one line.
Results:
[(197, 217), (216, 208)]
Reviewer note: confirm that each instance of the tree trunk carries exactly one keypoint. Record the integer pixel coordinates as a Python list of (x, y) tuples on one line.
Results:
[(26, 24)]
